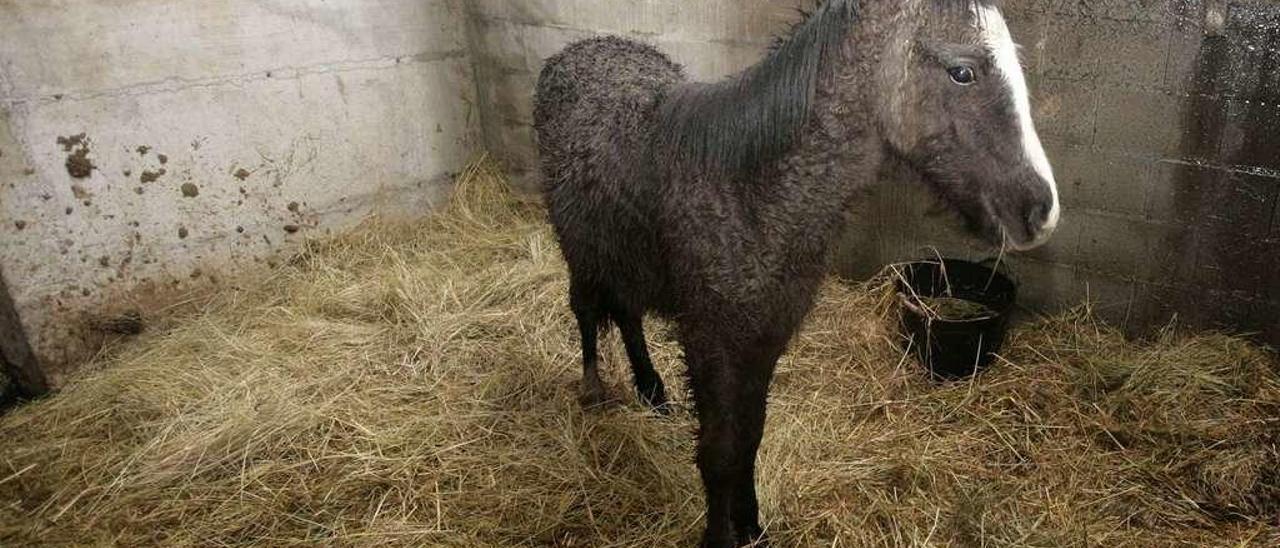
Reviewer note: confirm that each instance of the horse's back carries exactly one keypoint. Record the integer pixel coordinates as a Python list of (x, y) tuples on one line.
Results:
[(595, 96)]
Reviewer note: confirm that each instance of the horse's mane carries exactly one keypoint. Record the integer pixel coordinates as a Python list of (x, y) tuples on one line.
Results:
[(754, 117)]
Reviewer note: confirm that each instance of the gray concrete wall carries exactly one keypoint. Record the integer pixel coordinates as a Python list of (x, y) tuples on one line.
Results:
[(1159, 116), (221, 134)]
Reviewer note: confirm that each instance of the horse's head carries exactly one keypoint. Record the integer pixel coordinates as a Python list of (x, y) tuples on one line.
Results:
[(955, 106)]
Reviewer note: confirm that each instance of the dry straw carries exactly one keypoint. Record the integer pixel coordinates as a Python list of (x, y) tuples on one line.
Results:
[(415, 385)]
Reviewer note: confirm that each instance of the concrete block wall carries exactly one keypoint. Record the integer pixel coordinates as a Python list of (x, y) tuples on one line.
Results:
[(150, 149), (1161, 118)]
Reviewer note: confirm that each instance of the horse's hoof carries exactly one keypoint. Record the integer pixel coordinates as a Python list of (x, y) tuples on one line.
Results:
[(707, 543), (716, 543), (753, 536), (761, 541), (595, 398), (656, 398)]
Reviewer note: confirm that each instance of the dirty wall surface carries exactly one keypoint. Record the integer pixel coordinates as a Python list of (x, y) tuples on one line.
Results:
[(152, 149)]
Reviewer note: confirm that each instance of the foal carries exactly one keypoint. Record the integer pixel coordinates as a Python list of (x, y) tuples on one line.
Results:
[(716, 204)]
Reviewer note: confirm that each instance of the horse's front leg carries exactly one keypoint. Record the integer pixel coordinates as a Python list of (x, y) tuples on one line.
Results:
[(730, 392), (752, 401)]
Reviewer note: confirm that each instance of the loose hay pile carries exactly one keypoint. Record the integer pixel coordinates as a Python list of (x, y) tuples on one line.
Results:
[(416, 385)]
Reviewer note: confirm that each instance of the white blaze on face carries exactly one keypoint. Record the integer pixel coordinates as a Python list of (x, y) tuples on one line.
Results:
[(998, 39)]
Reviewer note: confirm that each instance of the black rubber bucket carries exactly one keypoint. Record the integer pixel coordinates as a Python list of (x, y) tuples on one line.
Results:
[(955, 349)]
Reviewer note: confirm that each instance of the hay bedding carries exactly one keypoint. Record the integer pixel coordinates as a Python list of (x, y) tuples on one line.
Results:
[(414, 385)]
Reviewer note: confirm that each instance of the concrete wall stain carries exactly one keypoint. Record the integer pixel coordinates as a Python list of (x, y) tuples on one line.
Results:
[(149, 176), (78, 163), (1225, 186)]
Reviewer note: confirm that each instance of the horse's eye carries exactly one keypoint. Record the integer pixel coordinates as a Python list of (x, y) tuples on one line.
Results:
[(962, 75)]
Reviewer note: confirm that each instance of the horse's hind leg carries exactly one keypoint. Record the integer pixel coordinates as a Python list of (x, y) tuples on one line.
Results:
[(648, 381), (588, 307)]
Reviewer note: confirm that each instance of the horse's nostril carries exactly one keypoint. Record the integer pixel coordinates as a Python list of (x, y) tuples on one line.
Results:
[(1038, 217)]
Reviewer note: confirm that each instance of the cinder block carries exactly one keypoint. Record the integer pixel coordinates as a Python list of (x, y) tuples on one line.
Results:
[(1139, 122), (1275, 225), (1157, 306), (1014, 8), (711, 62), (1120, 10), (1073, 49), (1045, 287), (53, 49), (1095, 180), (1144, 11), (1237, 61), (1182, 62), (1167, 177), (1251, 134), (1064, 110), (499, 44), (1048, 288), (508, 96), (1201, 308), (1131, 248), (1201, 126), (1111, 298), (1233, 245), (1266, 320), (706, 61), (1230, 261), (1193, 195), (1248, 71), (514, 145), (1255, 15), (541, 42), (1133, 53), (726, 21), (1244, 200)]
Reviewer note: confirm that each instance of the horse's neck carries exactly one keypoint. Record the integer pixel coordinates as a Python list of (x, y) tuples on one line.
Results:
[(753, 119), (807, 191), (810, 190), (839, 149), (792, 138)]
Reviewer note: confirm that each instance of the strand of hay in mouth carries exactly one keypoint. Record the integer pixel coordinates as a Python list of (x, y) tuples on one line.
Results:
[(415, 384)]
